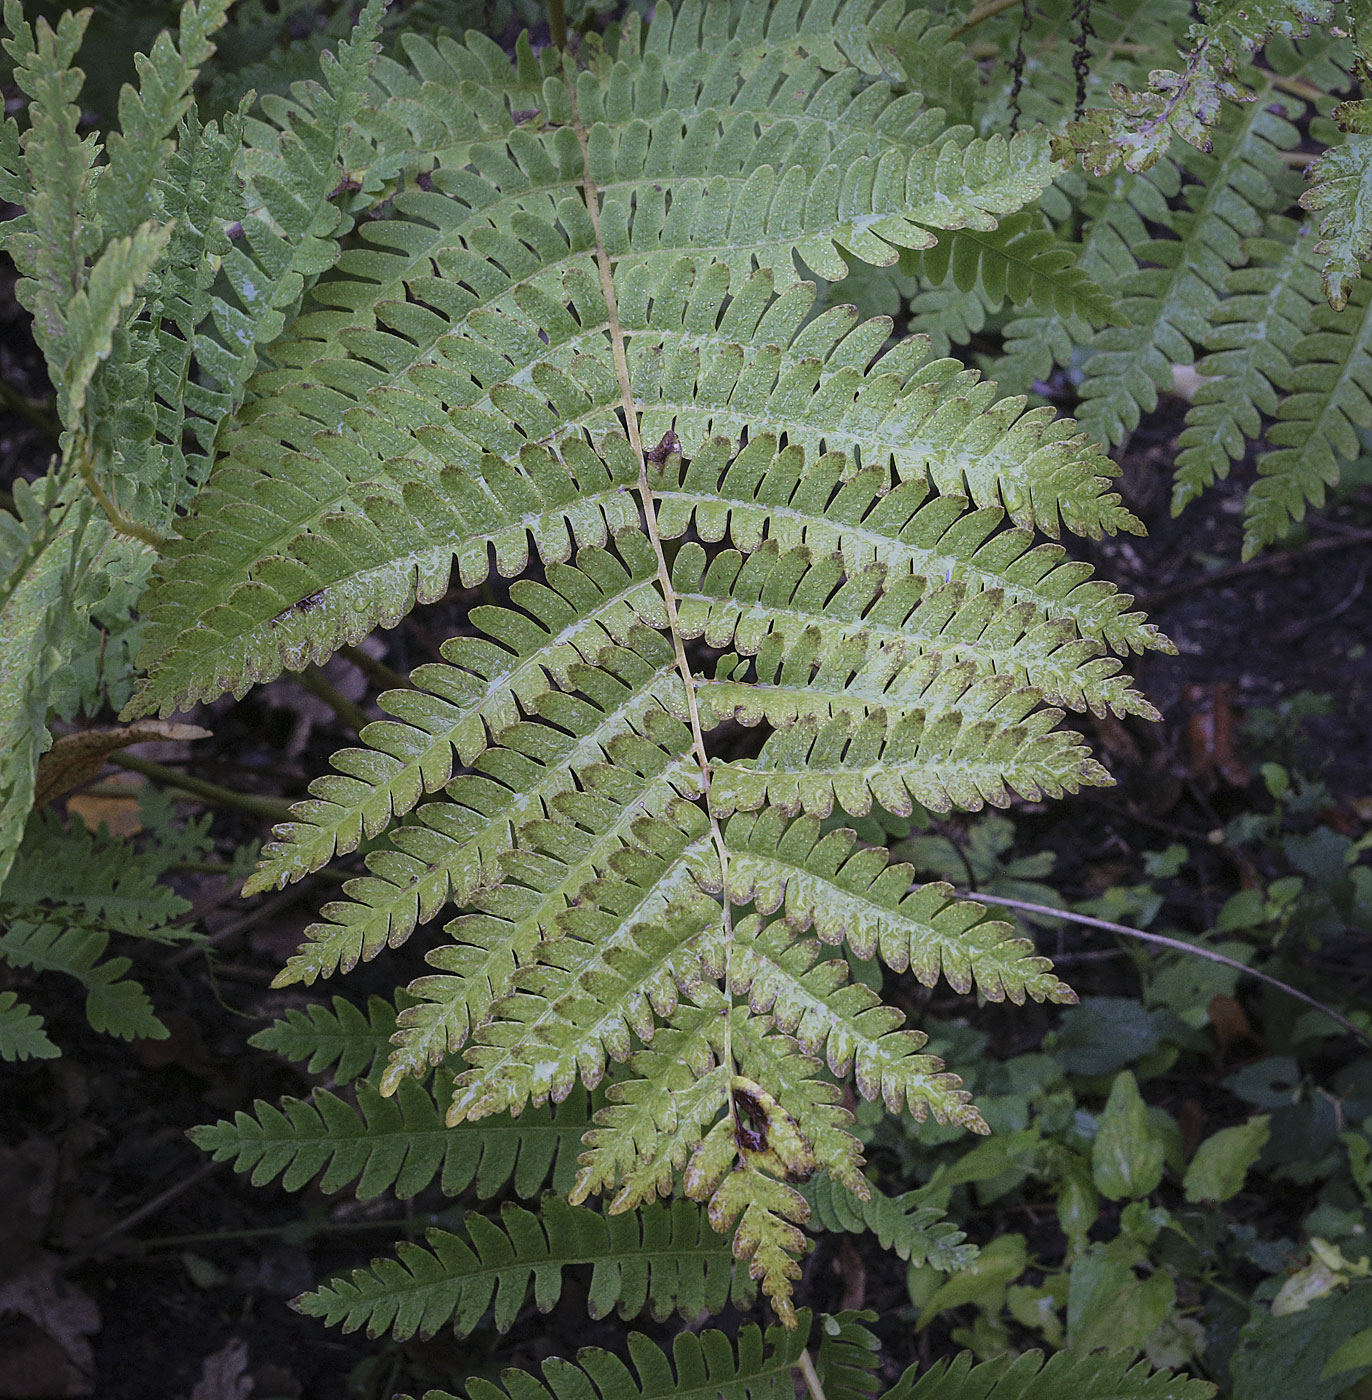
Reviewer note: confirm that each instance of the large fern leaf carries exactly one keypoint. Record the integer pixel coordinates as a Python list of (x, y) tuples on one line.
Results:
[(581, 348)]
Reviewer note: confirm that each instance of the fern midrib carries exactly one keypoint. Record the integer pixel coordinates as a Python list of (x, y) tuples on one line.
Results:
[(646, 497)]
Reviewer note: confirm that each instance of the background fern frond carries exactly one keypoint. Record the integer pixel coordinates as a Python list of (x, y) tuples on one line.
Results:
[(344, 1040), (760, 1369), (115, 1004), (847, 1357), (916, 1233), (398, 1144), (666, 1258), (1029, 1377)]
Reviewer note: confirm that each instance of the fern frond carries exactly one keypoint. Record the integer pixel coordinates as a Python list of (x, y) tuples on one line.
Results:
[(458, 846), (457, 708), (49, 556), (1317, 424), (346, 1040), (848, 1356), (763, 493), (105, 878), (857, 896), (664, 1259), (769, 599), (115, 1004), (51, 241), (700, 365), (1340, 181), (1022, 262), (1118, 210), (958, 760), (916, 1233), (1170, 304), (1248, 366), (149, 113), (22, 1036), (580, 338), (397, 1144), (762, 1369), (1096, 1376), (842, 1022)]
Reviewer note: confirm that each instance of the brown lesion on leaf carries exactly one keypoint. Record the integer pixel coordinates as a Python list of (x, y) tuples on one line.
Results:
[(669, 445), (306, 604)]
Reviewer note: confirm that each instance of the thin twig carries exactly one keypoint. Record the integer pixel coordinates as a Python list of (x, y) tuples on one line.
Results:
[(981, 14), (1176, 944), (1150, 601), (153, 1206)]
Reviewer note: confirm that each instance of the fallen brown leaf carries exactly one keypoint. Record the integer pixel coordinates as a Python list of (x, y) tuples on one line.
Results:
[(77, 758)]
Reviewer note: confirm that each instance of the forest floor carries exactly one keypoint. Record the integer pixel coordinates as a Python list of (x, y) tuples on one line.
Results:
[(173, 1275)]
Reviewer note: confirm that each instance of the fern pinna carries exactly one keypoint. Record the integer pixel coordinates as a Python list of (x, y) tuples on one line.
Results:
[(575, 350)]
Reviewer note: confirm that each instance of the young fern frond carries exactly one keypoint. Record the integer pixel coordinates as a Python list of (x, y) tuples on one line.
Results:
[(581, 345)]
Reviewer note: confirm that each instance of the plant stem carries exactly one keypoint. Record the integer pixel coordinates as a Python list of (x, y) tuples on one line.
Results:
[(982, 13), (375, 671), (1177, 944), (351, 716), (119, 522), (273, 808), (810, 1376), (15, 402)]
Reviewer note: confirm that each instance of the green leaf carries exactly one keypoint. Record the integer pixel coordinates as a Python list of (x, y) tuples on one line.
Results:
[(711, 1363), (1288, 1356), (983, 1281), (1221, 1163), (663, 1258), (1109, 1305), (22, 1036), (1352, 1355), (1126, 1156), (1076, 1374)]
